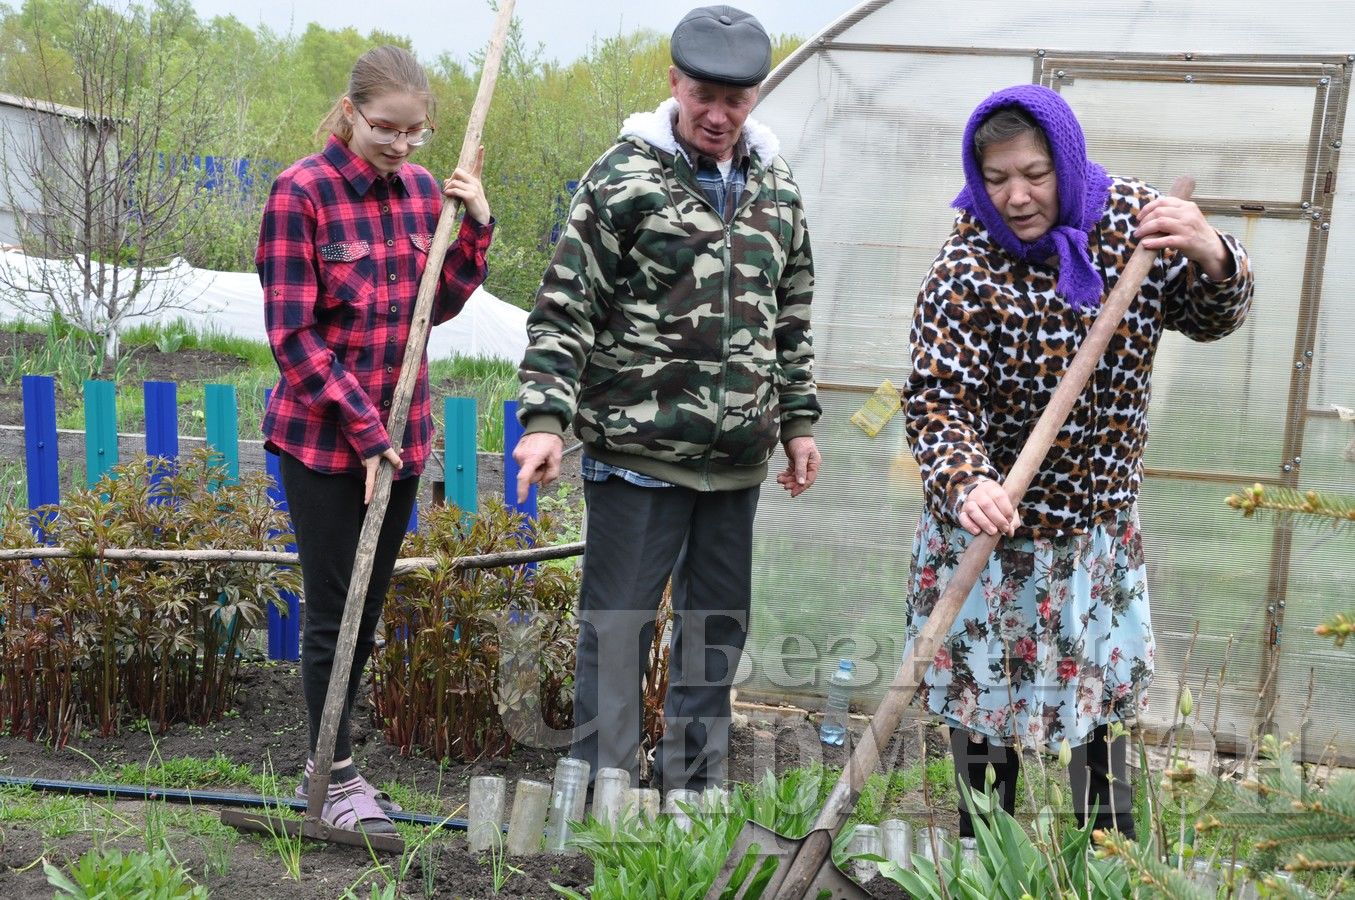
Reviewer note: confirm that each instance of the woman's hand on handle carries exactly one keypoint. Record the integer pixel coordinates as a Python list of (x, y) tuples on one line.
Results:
[(372, 463), (466, 187), (1179, 224), (987, 509)]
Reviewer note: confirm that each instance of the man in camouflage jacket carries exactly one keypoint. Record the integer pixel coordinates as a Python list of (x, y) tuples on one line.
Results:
[(672, 331)]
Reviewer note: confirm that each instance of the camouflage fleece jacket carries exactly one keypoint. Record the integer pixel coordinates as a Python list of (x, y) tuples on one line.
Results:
[(677, 344)]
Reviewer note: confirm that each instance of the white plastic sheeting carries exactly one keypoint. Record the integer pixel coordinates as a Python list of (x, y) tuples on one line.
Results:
[(1252, 99), (232, 303)]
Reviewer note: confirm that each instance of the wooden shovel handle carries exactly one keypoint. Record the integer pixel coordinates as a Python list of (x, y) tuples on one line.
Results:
[(890, 712), (395, 426)]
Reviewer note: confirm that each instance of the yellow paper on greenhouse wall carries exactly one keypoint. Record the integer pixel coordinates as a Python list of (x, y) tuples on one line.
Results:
[(882, 406)]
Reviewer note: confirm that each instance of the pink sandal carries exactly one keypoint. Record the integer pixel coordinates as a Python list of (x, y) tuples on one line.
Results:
[(382, 799), (349, 806)]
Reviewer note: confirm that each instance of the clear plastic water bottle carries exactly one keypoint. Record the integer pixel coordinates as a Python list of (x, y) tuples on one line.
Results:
[(833, 728)]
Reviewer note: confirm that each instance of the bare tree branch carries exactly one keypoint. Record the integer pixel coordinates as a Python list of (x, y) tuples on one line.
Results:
[(116, 185)]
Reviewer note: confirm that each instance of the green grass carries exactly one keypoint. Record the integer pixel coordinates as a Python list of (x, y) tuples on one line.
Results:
[(204, 824), (190, 772), (13, 478), (882, 793), (411, 798), (489, 381), (54, 815)]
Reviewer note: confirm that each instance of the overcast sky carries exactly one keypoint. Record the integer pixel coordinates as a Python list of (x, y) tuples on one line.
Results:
[(461, 27)]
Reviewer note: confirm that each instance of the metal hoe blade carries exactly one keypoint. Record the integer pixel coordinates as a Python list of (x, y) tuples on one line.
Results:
[(319, 831), (759, 861)]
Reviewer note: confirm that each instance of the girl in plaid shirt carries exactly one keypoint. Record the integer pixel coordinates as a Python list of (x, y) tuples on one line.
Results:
[(343, 244)]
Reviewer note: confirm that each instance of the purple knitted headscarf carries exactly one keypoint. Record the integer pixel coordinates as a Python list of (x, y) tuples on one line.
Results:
[(1084, 189)]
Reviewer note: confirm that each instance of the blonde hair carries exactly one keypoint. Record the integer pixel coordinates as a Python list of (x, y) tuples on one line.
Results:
[(381, 70)]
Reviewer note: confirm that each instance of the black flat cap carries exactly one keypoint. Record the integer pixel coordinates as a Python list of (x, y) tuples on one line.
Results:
[(723, 44)]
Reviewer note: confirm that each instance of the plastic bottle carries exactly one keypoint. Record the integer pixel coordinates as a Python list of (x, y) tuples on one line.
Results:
[(833, 729)]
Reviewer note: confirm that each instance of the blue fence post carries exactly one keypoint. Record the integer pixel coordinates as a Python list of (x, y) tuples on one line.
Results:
[(162, 422), (40, 445), (223, 427), (284, 631), (223, 437), (512, 433), (461, 472), (101, 429)]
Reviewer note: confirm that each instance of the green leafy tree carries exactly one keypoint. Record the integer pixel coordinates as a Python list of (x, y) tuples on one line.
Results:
[(549, 123)]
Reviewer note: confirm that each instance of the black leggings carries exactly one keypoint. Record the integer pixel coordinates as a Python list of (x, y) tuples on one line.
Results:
[(1090, 774), (327, 513)]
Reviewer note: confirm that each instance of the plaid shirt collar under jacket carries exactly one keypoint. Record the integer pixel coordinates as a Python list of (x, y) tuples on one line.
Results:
[(723, 193), (341, 251)]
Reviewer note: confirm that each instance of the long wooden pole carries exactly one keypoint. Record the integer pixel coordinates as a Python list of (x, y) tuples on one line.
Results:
[(840, 802), (395, 426)]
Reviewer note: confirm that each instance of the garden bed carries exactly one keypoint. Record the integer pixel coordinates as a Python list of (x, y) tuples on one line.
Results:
[(268, 735), (141, 363)]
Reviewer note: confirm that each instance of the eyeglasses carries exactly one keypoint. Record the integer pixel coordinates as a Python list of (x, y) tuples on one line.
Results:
[(381, 134)]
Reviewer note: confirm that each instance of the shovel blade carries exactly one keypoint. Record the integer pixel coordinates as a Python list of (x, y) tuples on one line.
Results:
[(318, 831), (759, 861)]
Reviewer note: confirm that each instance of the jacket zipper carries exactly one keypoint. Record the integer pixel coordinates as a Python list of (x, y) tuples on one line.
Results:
[(727, 326), (726, 329)]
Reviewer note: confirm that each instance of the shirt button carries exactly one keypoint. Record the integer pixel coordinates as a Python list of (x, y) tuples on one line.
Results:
[(390, 369), (385, 207), (386, 403), (394, 308), (392, 276), (390, 243)]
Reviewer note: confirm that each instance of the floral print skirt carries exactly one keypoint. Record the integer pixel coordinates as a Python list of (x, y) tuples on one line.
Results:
[(1054, 640)]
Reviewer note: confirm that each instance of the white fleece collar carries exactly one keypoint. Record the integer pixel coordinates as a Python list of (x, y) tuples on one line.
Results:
[(656, 128)]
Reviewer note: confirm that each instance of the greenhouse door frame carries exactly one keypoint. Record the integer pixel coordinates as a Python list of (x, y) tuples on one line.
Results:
[(1329, 77)]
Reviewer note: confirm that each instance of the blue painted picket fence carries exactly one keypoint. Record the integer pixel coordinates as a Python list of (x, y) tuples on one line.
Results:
[(222, 425)]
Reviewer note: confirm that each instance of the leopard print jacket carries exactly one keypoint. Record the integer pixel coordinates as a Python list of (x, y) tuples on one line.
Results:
[(991, 341)]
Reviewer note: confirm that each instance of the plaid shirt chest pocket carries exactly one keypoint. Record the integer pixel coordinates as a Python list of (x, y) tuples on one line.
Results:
[(347, 272)]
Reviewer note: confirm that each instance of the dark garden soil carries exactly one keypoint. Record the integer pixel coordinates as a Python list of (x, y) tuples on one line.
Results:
[(267, 733)]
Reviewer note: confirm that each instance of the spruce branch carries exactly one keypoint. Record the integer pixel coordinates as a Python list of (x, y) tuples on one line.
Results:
[(1304, 828), (1151, 875), (1340, 627), (1313, 506), (1335, 512)]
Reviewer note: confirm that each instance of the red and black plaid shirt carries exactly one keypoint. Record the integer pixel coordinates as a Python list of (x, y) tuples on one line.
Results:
[(341, 251)]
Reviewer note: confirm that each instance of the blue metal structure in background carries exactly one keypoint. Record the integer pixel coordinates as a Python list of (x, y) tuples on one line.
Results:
[(40, 447)]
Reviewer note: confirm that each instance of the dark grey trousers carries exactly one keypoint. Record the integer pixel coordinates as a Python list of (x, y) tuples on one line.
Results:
[(327, 513), (1098, 778), (638, 537)]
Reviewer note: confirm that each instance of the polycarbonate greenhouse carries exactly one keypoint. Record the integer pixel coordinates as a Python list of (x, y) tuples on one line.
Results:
[(1251, 98)]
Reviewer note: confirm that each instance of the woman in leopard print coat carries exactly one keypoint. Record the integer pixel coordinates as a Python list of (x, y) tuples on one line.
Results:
[(1055, 642)]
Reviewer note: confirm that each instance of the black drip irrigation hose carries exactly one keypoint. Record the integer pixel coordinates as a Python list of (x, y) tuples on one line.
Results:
[(217, 798)]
